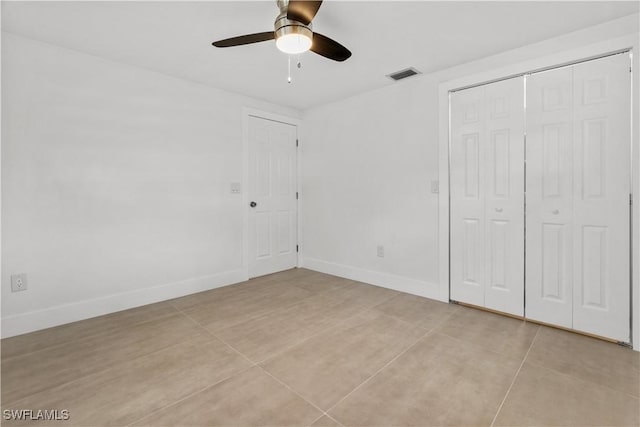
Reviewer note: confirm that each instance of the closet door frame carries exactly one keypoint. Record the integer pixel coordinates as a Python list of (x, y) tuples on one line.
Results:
[(627, 44)]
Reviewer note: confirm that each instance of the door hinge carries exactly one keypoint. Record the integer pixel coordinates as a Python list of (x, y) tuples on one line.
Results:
[(297, 249), (631, 198), (296, 195), (297, 142)]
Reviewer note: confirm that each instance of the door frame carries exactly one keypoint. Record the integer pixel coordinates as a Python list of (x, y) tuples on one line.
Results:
[(248, 112), (568, 57)]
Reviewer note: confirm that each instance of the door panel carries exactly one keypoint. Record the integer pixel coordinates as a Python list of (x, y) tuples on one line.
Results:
[(549, 189), (578, 184), (601, 198), (577, 188), (272, 185), (487, 200), (467, 196), (504, 198)]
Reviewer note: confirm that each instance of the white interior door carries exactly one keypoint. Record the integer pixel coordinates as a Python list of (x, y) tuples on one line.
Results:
[(549, 211), (487, 196), (504, 196), (602, 118), (272, 196), (578, 185), (467, 211)]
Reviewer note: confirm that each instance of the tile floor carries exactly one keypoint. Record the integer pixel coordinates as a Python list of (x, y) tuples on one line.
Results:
[(301, 348)]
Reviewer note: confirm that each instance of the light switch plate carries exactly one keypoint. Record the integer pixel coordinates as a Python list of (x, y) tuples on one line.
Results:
[(236, 188), (435, 186)]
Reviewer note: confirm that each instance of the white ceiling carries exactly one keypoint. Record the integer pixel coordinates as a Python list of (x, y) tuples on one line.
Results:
[(384, 36)]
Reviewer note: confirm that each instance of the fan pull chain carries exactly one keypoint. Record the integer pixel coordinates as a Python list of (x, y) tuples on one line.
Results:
[(299, 63), (289, 75)]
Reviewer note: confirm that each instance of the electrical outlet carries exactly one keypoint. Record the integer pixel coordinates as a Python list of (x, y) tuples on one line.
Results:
[(381, 251), (18, 282)]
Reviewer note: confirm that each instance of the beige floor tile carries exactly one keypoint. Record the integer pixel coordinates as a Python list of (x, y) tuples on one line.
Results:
[(492, 331), (37, 371), (326, 421), (254, 288), (251, 288), (324, 335), (326, 367), (320, 283), (541, 396), (251, 398), (295, 273), (588, 359), (361, 294), (207, 297), (236, 309), (263, 337), (133, 389), (439, 381), (424, 312), (58, 335)]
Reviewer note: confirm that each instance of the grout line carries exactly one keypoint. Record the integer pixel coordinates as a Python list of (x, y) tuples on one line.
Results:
[(316, 420), (426, 334), (257, 316), (91, 335), (567, 375), (336, 326), (190, 395), (313, 335), (420, 338), (105, 367), (295, 392), (338, 422), (209, 332), (328, 416), (504, 399)]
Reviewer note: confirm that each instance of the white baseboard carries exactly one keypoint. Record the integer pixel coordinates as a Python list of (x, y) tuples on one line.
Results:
[(385, 280), (41, 319)]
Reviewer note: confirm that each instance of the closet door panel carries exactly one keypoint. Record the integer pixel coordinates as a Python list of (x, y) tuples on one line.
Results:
[(549, 194), (467, 188), (504, 196), (601, 198)]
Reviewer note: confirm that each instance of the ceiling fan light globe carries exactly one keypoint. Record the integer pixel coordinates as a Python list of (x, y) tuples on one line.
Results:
[(293, 43)]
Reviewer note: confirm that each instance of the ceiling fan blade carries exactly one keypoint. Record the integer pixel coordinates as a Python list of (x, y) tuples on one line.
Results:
[(323, 45), (246, 39), (302, 10)]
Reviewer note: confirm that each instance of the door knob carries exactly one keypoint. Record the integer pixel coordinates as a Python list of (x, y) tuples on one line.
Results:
[(253, 204), (555, 211), (498, 209)]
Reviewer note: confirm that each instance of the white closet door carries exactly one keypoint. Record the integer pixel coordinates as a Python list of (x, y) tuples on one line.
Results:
[(549, 213), (601, 197), (467, 187), (578, 183), (487, 196), (504, 196)]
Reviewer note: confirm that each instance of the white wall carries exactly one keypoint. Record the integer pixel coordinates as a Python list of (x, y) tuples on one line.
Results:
[(115, 185), (115, 181), (368, 162)]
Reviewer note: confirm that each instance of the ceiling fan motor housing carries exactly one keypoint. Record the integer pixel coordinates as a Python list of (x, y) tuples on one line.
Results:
[(284, 26)]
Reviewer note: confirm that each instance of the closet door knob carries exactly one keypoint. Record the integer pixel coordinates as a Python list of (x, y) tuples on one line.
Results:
[(555, 211), (253, 204)]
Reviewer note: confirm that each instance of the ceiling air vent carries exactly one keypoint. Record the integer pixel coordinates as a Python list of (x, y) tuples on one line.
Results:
[(403, 74)]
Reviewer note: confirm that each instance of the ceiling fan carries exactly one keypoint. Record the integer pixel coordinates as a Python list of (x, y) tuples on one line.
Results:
[(293, 33)]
